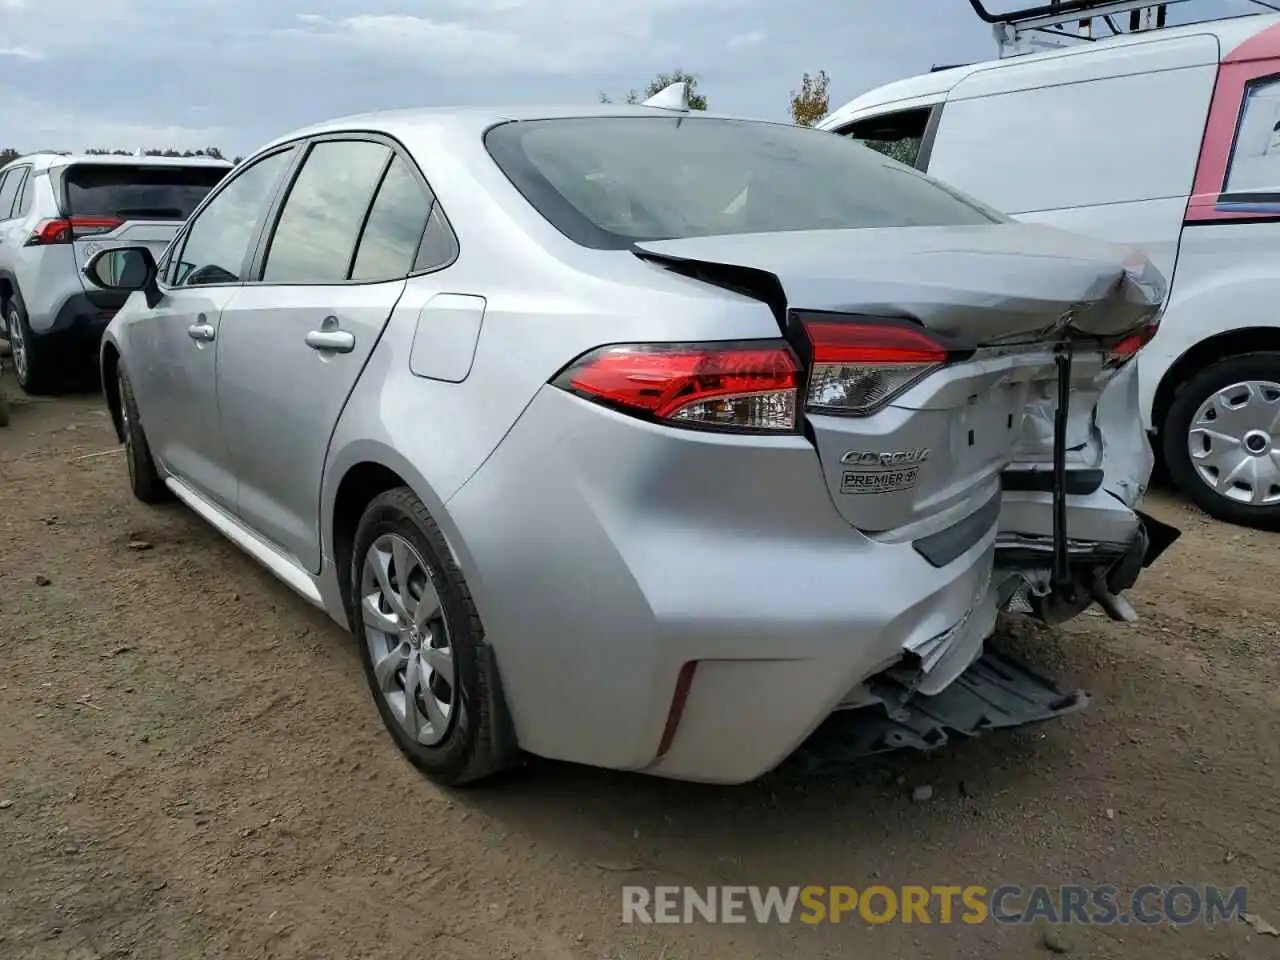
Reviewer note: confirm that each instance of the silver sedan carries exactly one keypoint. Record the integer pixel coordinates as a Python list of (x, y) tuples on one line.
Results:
[(637, 437)]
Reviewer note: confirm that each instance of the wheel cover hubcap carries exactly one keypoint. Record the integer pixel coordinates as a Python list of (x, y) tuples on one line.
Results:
[(408, 638), (126, 425), (18, 345), (1234, 442)]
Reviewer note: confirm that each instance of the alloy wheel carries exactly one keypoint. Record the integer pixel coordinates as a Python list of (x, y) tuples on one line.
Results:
[(126, 426), (408, 638), (1234, 442), (17, 345)]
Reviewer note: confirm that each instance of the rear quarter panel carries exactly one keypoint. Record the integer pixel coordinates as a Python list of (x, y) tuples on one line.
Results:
[(547, 302)]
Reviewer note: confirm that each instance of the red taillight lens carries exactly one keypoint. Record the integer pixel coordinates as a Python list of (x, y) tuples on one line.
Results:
[(859, 366), (65, 230), (1126, 349), (743, 387)]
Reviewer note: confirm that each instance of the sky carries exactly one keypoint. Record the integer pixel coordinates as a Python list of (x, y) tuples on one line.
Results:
[(125, 74)]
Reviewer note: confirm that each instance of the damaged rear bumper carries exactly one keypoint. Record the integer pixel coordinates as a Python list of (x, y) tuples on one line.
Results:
[(1070, 531), (996, 692)]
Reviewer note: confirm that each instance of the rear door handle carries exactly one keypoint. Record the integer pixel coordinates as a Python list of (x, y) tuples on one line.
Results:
[(330, 339), (202, 332)]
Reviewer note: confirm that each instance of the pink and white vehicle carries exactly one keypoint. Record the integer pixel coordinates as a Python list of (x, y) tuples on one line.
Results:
[(1167, 139)]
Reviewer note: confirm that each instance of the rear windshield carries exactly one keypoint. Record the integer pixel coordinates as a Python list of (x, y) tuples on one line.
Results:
[(137, 193), (610, 181)]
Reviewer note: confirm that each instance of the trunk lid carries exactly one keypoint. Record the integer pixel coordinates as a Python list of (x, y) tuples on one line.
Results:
[(999, 301), (990, 284)]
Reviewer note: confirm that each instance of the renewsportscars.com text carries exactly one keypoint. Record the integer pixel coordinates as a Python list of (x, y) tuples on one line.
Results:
[(1008, 904)]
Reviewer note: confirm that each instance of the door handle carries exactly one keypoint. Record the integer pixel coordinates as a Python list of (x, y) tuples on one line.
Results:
[(202, 332), (329, 339)]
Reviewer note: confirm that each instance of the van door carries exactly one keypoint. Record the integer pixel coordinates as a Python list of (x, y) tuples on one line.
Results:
[(1101, 142), (1218, 411)]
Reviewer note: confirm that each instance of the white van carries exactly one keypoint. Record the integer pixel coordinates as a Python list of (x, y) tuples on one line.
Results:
[(1168, 140)]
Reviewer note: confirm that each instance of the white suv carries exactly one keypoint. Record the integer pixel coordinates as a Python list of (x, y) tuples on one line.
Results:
[(57, 211)]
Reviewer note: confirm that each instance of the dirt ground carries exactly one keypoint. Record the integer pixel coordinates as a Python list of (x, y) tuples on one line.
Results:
[(190, 766)]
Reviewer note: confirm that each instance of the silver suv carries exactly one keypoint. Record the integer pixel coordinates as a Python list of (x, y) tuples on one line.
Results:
[(57, 211)]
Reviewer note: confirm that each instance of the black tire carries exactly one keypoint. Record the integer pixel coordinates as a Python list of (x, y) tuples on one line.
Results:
[(1186, 402), (144, 479), (35, 359), (475, 744)]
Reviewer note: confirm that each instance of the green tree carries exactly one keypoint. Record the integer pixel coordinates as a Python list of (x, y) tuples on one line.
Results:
[(8, 154), (697, 101), (811, 103)]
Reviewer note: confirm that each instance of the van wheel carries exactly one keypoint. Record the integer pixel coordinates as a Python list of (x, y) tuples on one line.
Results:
[(1222, 440)]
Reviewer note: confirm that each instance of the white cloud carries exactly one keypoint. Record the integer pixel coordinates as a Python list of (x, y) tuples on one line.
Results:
[(45, 126), (740, 41), (260, 69), (515, 36)]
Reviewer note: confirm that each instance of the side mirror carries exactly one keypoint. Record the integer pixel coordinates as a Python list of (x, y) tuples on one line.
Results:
[(124, 268)]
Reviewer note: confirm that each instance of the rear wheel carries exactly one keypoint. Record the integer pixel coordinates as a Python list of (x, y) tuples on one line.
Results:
[(1222, 439), (34, 357), (422, 644), (144, 479)]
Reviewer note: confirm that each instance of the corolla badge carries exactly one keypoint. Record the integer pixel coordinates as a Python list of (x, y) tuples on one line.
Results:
[(895, 458)]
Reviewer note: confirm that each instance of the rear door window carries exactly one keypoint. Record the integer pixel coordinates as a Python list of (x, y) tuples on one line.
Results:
[(138, 192), (23, 206), (396, 223), (315, 237), (9, 190)]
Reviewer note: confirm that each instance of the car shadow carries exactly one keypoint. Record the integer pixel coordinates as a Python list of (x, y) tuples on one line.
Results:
[(793, 824)]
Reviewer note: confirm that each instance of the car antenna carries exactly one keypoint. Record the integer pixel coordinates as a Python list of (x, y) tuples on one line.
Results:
[(672, 97)]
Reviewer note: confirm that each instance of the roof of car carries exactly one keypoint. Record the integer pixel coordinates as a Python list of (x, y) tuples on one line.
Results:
[(479, 118), (47, 159), (1229, 32)]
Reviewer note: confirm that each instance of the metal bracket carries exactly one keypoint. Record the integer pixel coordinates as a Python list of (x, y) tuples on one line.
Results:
[(1051, 19), (1061, 562)]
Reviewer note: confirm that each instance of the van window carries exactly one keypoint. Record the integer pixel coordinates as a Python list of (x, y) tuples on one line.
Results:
[(1255, 159), (1081, 144), (897, 135)]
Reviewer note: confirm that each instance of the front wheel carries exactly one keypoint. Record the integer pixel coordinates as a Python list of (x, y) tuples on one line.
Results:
[(1221, 440), (422, 644)]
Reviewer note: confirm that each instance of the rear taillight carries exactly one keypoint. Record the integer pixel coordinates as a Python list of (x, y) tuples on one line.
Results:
[(1127, 349), (743, 387), (70, 228), (857, 366)]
